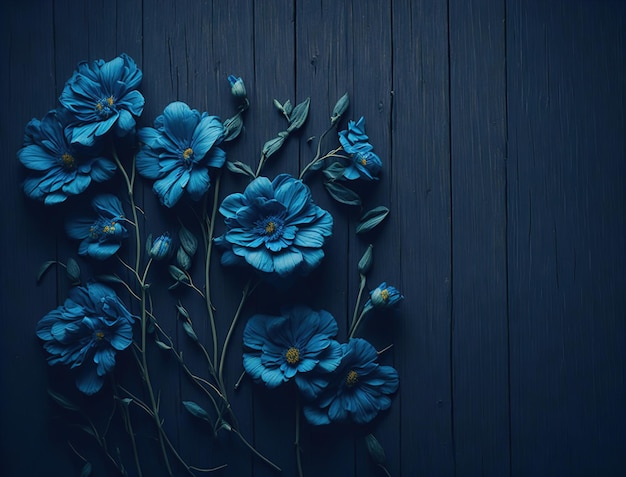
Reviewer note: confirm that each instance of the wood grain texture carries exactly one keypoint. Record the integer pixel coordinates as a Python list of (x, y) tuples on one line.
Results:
[(479, 275), (566, 236), (501, 129)]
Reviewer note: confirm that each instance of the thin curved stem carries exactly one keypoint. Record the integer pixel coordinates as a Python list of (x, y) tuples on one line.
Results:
[(210, 228), (297, 440)]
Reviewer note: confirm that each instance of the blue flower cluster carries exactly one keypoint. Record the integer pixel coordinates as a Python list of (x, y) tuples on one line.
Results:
[(85, 333), (341, 382), (275, 227), (63, 150), (365, 164)]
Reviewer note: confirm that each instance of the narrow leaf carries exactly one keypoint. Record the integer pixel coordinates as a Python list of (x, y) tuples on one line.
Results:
[(299, 115), (63, 401), (189, 330), (240, 168), (183, 311), (43, 269), (86, 472), (232, 128), (188, 241), (73, 270), (375, 450), (334, 171), (109, 279), (196, 411), (342, 194), (340, 108), (371, 219), (273, 145), (177, 274), (162, 345)]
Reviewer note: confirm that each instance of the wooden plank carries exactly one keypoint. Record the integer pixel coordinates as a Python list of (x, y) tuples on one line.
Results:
[(28, 420), (566, 238), (421, 144), (479, 281)]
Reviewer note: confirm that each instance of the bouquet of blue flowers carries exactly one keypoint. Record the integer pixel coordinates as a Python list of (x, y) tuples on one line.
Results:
[(273, 232)]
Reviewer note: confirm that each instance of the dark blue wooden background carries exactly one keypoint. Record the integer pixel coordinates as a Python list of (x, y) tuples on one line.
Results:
[(502, 128)]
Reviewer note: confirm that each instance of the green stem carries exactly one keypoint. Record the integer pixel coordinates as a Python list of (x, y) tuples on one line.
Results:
[(208, 236), (247, 291), (261, 164), (254, 451), (317, 154), (130, 182), (356, 324), (297, 441)]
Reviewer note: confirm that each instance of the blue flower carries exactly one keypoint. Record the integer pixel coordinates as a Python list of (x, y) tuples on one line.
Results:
[(178, 151), (161, 247), (86, 332), (103, 95), (384, 296), (60, 169), (275, 227), (297, 345), (358, 389), (237, 86), (364, 162), (101, 237)]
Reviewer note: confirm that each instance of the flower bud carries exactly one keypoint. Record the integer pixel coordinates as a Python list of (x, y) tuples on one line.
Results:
[(160, 247), (237, 86), (366, 260), (385, 296)]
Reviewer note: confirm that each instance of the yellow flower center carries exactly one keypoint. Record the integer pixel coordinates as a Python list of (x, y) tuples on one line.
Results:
[(187, 153), (68, 161), (110, 100), (270, 228), (363, 161), (99, 335), (292, 355), (109, 228), (352, 378), (384, 294)]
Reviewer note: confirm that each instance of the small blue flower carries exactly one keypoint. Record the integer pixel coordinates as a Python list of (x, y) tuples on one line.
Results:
[(178, 152), (297, 345), (161, 247), (358, 389), (364, 162), (101, 95), (274, 227), (86, 332), (60, 168), (237, 86), (384, 296), (101, 237)]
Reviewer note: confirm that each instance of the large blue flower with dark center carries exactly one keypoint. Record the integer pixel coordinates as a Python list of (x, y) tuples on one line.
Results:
[(364, 163), (86, 332), (178, 152), (102, 95), (100, 236), (296, 345), (275, 227), (59, 168), (357, 390)]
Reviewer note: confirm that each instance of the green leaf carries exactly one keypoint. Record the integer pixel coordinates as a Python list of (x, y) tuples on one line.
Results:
[(86, 472), (63, 401), (371, 219), (73, 270), (197, 411), (240, 168), (232, 128), (299, 115), (109, 279), (149, 242), (182, 259), (366, 260), (188, 241), (273, 145), (342, 194), (287, 107), (43, 269), (189, 330), (162, 345), (183, 311), (340, 107), (334, 171), (375, 450), (177, 274)]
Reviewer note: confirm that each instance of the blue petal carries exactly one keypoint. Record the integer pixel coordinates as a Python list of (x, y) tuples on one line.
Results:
[(287, 261), (259, 187), (199, 182), (36, 158), (88, 381), (79, 228), (259, 259), (206, 134), (180, 122), (252, 365)]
